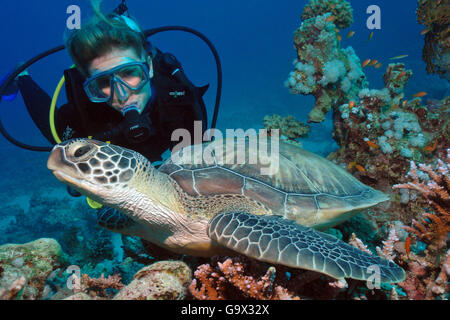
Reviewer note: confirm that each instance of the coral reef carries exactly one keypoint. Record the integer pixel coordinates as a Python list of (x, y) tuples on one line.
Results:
[(340, 9), (435, 15), (380, 132), (434, 186), (333, 75), (163, 280), (290, 128), (33, 261)]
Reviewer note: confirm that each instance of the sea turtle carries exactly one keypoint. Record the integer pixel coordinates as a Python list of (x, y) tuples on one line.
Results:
[(196, 203)]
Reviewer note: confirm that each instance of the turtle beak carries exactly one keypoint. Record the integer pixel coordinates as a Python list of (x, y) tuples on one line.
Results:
[(63, 170), (54, 159)]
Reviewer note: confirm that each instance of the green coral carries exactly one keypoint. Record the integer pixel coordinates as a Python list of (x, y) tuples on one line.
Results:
[(289, 127), (341, 9)]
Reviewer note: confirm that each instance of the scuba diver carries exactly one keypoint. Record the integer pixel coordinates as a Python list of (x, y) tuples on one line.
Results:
[(123, 90)]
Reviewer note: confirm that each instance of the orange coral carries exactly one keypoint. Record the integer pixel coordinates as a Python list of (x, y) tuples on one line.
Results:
[(214, 282), (435, 226)]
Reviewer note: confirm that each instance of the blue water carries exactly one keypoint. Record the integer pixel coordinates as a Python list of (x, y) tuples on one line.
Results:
[(255, 43)]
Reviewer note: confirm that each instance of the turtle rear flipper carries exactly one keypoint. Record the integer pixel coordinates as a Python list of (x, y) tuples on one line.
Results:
[(277, 240)]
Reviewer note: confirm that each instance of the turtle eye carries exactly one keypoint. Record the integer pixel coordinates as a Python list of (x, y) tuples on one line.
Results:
[(81, 151)]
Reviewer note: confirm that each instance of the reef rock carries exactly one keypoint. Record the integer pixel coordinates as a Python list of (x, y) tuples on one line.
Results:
[(163, 280), (33, 261)]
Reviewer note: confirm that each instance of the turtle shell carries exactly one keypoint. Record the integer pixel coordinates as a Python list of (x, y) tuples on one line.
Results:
[(286, 179)]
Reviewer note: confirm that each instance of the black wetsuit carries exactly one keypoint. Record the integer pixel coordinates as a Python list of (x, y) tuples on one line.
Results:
[(175, 103)]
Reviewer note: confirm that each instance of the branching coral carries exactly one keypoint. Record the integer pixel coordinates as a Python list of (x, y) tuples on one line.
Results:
[(340, 9), (388, 246), (435, 15), (215, 283), (434, 187)]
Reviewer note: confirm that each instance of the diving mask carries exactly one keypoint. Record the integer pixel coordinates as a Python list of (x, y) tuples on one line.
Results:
[(132, 76)]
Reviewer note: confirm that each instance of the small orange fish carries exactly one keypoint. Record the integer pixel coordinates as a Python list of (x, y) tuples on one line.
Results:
[(431, 148), (402, 56), (350, 34), (378, 65), (351, 165), (425, 31), (408, 246), (331, 19), (404, 103), (401, 74), (372, 63), (339, 37), (365, 63), (371, 144), (360, 168), (420, 94), (370, 36), (351, 104), (337, 30)]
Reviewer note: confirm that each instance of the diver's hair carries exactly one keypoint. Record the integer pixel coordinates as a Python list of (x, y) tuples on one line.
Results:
[(101, 35)]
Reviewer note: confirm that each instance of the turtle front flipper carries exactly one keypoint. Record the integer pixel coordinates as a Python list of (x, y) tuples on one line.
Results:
[(277, 240), (113, 220)]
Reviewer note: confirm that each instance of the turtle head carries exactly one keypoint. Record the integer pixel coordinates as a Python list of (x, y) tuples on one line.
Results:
[(96, 169)]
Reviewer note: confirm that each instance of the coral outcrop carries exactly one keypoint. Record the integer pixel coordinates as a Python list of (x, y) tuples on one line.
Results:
[(333, 75), (435, 16), (380, 132), (340, 9)]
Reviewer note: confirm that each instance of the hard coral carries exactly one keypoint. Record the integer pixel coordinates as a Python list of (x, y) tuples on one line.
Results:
[(213, 283), (433, 185), (435, 15), (340, 9)]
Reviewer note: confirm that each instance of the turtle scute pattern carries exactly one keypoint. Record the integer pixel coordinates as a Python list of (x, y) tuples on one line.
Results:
[(278, 240)]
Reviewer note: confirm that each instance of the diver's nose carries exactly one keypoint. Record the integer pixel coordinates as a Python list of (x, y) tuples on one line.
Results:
[(121, 92)]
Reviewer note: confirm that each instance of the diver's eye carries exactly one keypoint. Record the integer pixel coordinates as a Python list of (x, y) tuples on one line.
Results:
[(81, 151)]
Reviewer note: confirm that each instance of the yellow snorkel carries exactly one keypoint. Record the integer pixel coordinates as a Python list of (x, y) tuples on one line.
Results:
[(93, 204), (53, 108)]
